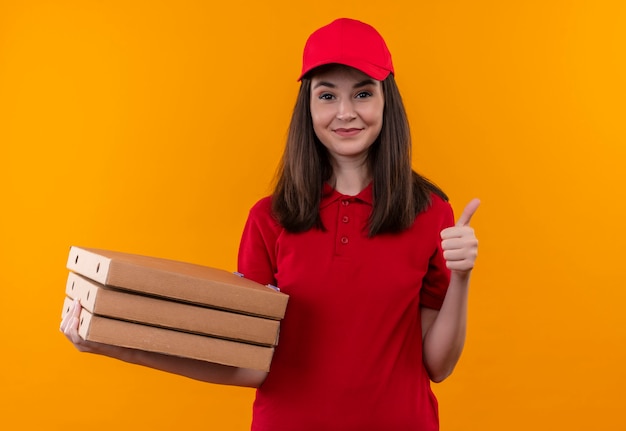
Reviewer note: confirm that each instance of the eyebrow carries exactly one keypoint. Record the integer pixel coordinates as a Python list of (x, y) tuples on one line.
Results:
[(357, 85)]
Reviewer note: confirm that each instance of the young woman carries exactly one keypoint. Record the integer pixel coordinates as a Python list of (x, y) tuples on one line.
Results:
[(376, 269)]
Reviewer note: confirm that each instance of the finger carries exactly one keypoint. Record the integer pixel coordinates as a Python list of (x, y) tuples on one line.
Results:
[(457, 232), (72, 332), (68, 316), (69, 321), (456, 244), (460, 255), (468, 212), (460, 265)]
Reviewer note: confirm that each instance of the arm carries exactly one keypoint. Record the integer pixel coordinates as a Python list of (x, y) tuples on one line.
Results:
[(194, 369), (443, 330)]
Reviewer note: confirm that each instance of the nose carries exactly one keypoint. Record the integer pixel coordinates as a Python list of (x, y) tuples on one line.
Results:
[(345, 111)]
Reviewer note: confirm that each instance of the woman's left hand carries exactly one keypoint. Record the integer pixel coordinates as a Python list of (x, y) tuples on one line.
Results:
[(459, 243)]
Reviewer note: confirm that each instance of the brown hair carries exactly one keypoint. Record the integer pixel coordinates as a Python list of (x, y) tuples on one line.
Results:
[(399, 193)]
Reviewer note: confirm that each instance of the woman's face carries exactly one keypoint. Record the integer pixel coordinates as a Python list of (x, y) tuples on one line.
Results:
[(347, 112)]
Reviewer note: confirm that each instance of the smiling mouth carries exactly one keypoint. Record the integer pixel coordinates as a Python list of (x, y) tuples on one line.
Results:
[(347, 132)]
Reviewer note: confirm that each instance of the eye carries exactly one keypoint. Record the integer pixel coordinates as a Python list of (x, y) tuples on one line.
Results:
[(363, 94), (325, 96)]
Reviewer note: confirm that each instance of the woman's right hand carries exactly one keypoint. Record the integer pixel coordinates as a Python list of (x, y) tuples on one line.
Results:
[(195, 369), (69, 327)]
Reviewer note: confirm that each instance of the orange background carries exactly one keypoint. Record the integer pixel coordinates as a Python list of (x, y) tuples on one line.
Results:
[(152, 127)]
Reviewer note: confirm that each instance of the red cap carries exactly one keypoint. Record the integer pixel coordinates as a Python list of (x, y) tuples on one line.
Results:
[(351, 43)]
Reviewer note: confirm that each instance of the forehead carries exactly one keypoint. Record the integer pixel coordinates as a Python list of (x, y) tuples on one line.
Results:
[(336, 72)]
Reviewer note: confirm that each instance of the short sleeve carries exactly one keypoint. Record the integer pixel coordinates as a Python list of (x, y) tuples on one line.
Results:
[(435, 283), (257, 249)]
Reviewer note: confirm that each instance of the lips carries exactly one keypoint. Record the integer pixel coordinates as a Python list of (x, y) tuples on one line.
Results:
[(347, 132)]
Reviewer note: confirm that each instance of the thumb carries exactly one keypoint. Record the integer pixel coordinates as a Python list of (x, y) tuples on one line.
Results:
[(468, 212)]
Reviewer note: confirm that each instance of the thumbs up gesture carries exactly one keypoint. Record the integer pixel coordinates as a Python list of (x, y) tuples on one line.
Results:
[(459, 244)]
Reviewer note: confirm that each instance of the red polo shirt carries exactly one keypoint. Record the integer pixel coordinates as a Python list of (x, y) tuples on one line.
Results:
[(350, 351)]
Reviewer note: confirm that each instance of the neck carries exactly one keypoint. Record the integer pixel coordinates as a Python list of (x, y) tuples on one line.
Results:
[(350, 179)]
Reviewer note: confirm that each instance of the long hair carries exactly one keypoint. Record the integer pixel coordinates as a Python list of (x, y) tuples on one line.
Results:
[(399, 193)]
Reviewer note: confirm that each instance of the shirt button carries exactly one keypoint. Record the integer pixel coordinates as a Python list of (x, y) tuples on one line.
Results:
[(344, 239), (345, 219), (345, 203)]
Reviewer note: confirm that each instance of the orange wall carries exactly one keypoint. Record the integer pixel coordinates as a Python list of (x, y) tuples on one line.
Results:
[(152, 127)]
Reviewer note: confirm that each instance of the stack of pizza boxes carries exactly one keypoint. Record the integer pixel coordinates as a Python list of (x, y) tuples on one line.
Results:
[(174, 308)]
